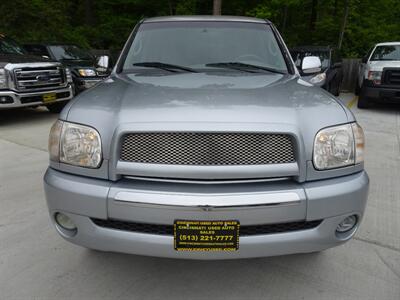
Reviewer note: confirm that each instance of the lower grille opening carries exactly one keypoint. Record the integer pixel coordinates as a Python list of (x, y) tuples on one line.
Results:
[(39, 98), (248, 230)]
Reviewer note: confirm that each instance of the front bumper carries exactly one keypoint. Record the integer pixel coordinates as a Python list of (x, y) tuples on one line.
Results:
[(382, 94), (83, 198), (27, 99)]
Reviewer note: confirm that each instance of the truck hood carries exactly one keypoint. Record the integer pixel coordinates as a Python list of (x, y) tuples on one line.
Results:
[(206, 101), (20, 58), (378, 65), (78, 63)]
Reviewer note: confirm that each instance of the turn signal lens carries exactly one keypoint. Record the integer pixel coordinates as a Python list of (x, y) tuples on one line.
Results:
[(359, 141), (54, 141)]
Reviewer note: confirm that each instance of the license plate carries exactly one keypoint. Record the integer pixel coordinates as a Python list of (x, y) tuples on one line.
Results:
[(206, 235), (49, 97)]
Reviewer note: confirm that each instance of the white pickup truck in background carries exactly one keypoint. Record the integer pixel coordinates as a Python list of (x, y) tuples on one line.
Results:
[(379, 75)]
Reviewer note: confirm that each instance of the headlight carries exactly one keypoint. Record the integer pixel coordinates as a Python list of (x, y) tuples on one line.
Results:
[(338, 146), (87, 72), (318, 78), (3, 79), (375, 76), (68, 75), (75, 144)]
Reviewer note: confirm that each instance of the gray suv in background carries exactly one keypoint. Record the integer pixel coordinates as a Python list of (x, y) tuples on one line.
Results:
[(205, 143)]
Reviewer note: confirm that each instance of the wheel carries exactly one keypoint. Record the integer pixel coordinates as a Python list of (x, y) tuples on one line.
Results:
[(56, 107), (357, 89), (333, 88), (336, 91)]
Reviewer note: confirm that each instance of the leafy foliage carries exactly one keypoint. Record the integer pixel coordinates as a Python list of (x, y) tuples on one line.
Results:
[(106, 24)]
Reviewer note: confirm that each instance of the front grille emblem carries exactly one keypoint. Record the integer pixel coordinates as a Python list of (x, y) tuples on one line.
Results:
[(43, 77)]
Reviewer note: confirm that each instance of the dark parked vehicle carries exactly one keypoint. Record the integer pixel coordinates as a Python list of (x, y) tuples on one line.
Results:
[(331, 75), (86, 69), (27, 80)]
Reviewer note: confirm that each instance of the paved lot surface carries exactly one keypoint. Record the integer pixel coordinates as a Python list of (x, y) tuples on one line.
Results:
[(36, 263)]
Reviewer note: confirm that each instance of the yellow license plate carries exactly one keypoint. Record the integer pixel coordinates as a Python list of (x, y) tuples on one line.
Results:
[(206, 235), (50, 97)]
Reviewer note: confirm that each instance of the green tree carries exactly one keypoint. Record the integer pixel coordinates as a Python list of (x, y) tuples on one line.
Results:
[(107, 23)]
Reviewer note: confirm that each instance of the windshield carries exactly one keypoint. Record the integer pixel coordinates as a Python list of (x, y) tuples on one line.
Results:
[(70, 52), (298, 57), (386, 53), (9, 46), (198, 44)]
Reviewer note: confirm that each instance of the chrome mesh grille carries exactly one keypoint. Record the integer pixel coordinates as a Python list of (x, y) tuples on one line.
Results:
[(207, 149), (39, 78)]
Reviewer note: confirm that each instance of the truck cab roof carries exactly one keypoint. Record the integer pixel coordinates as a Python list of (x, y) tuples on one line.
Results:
[(388, 44), (205, 18)]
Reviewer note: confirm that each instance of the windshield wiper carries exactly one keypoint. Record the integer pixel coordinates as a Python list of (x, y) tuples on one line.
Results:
[(243, 67), (164, 66)]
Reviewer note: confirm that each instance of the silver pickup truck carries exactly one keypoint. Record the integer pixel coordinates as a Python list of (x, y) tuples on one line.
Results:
[(205, 143), (27, 80)]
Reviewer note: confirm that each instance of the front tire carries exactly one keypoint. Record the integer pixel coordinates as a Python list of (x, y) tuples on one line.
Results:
[(336, 89), (362, 102), (357, 89), (338, 84), (56, 107)]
